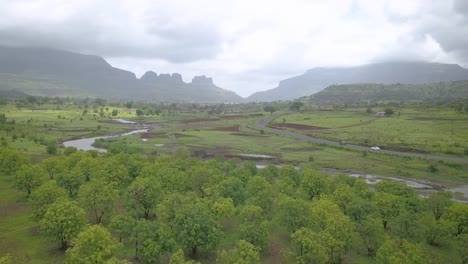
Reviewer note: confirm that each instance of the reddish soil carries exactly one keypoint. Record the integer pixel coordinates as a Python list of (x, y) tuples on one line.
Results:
[(195, 120), (232, 116), (256, 115), (179, 135), (298, 126), (153, 135), (275, 253), (234, 128), (302, 149), (247, 135)]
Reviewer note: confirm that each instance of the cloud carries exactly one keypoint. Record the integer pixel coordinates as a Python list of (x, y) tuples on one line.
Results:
[(245, 45)]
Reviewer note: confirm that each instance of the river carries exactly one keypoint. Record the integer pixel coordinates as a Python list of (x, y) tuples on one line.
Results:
[(87, 143)]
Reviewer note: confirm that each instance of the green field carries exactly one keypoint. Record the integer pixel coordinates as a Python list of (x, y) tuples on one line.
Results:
[(424, 130)]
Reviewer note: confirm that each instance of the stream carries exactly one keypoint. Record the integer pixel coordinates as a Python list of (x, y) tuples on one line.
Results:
[(87, 143)]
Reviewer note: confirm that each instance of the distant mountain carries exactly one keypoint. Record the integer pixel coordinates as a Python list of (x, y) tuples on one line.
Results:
[(363, 94), (316, 79), (49, 72)]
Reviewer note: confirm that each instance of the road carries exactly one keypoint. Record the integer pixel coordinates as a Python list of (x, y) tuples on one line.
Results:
[(262, 124)]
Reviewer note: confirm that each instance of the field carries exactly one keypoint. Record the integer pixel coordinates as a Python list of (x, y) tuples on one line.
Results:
[(183, 133), (421, 130)]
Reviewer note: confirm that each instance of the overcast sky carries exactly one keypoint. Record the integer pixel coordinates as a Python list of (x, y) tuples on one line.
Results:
[(245, 45)]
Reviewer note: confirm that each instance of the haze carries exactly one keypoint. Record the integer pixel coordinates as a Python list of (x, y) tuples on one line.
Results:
[(246, 46)]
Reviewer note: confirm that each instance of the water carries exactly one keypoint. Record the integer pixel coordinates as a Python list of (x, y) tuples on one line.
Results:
[(87, 143)]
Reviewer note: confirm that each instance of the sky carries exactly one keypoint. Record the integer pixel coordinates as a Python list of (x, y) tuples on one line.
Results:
[(245, 45)]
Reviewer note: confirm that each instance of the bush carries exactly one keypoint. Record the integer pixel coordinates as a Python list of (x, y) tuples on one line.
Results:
[(433, 169)]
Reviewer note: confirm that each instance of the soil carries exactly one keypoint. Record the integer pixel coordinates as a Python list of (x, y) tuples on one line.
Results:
[(153, 135), (298, 126), (247, 135), (232, 116), (179, 135), (234, 128), (195, 120)]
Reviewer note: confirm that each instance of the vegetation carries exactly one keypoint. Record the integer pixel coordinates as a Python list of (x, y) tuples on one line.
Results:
[(141, 203)]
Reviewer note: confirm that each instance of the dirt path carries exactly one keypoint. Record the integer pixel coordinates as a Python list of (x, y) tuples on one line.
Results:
[(263, 122)]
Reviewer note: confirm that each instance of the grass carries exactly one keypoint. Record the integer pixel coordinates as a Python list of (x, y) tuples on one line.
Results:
[(19, 235), (431, 130)]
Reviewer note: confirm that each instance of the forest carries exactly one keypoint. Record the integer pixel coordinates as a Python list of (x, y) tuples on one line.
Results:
[(153, 198)]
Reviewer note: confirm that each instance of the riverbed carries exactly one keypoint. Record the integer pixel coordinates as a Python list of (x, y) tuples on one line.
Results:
[(87, 143)]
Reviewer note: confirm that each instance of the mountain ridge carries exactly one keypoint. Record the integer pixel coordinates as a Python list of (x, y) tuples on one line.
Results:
[(316, 79), (45, 71)]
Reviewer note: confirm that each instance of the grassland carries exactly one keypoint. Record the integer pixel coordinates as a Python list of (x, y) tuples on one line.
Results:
[(424, 130)]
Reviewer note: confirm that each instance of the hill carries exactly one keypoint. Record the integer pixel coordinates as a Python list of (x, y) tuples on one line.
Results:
[(50, 72), (316, 79), (359, 94)]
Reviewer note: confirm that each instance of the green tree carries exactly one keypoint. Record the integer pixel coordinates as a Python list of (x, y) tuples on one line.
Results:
[(458, 213), (52, 148), (371, 233), (223, 208), (438, 202), (233, 188), (196, 228), (122, 225), (11, 160), (98, 198), (389, 111), (45, 195), (462, 247), (400, 252), (260, 193), (70, 181), (389, 206), (28, 177), (53, 166), (115, 112), (269, 108), (179, 258), (313, 183), (139, 112), (253, 227), (152, 192), (242, 253), (306, 247), (92, 245), (435, 230), (293, 213), (296, 106), (63, 220)]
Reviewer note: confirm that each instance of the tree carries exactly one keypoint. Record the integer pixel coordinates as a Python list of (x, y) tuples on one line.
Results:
[(296, 106), (179, 258), (389, 111), (458, 213), (313, 183), (462, 247), (223, 208), (269, 108), (63, 220), (260, 193), (122, 225), (233, 188), (438, 202), (152, 194), (115, 112), (242, 253), (389, 207), (70, 181), (371, 233), (28, 177), (253, 227), (293, 213), (400, 252), (195, 227), (92, 245), (53, 166), (307, 247), (98, 198), (52, 148), (434, 230), (11, 160), (45, 195), (139, 112)]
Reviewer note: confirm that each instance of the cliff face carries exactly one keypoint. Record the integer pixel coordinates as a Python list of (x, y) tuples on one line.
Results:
[(50, 72)]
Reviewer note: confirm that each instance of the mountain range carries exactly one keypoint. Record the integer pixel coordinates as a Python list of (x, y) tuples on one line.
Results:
[(50, 72), (315, 80)]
